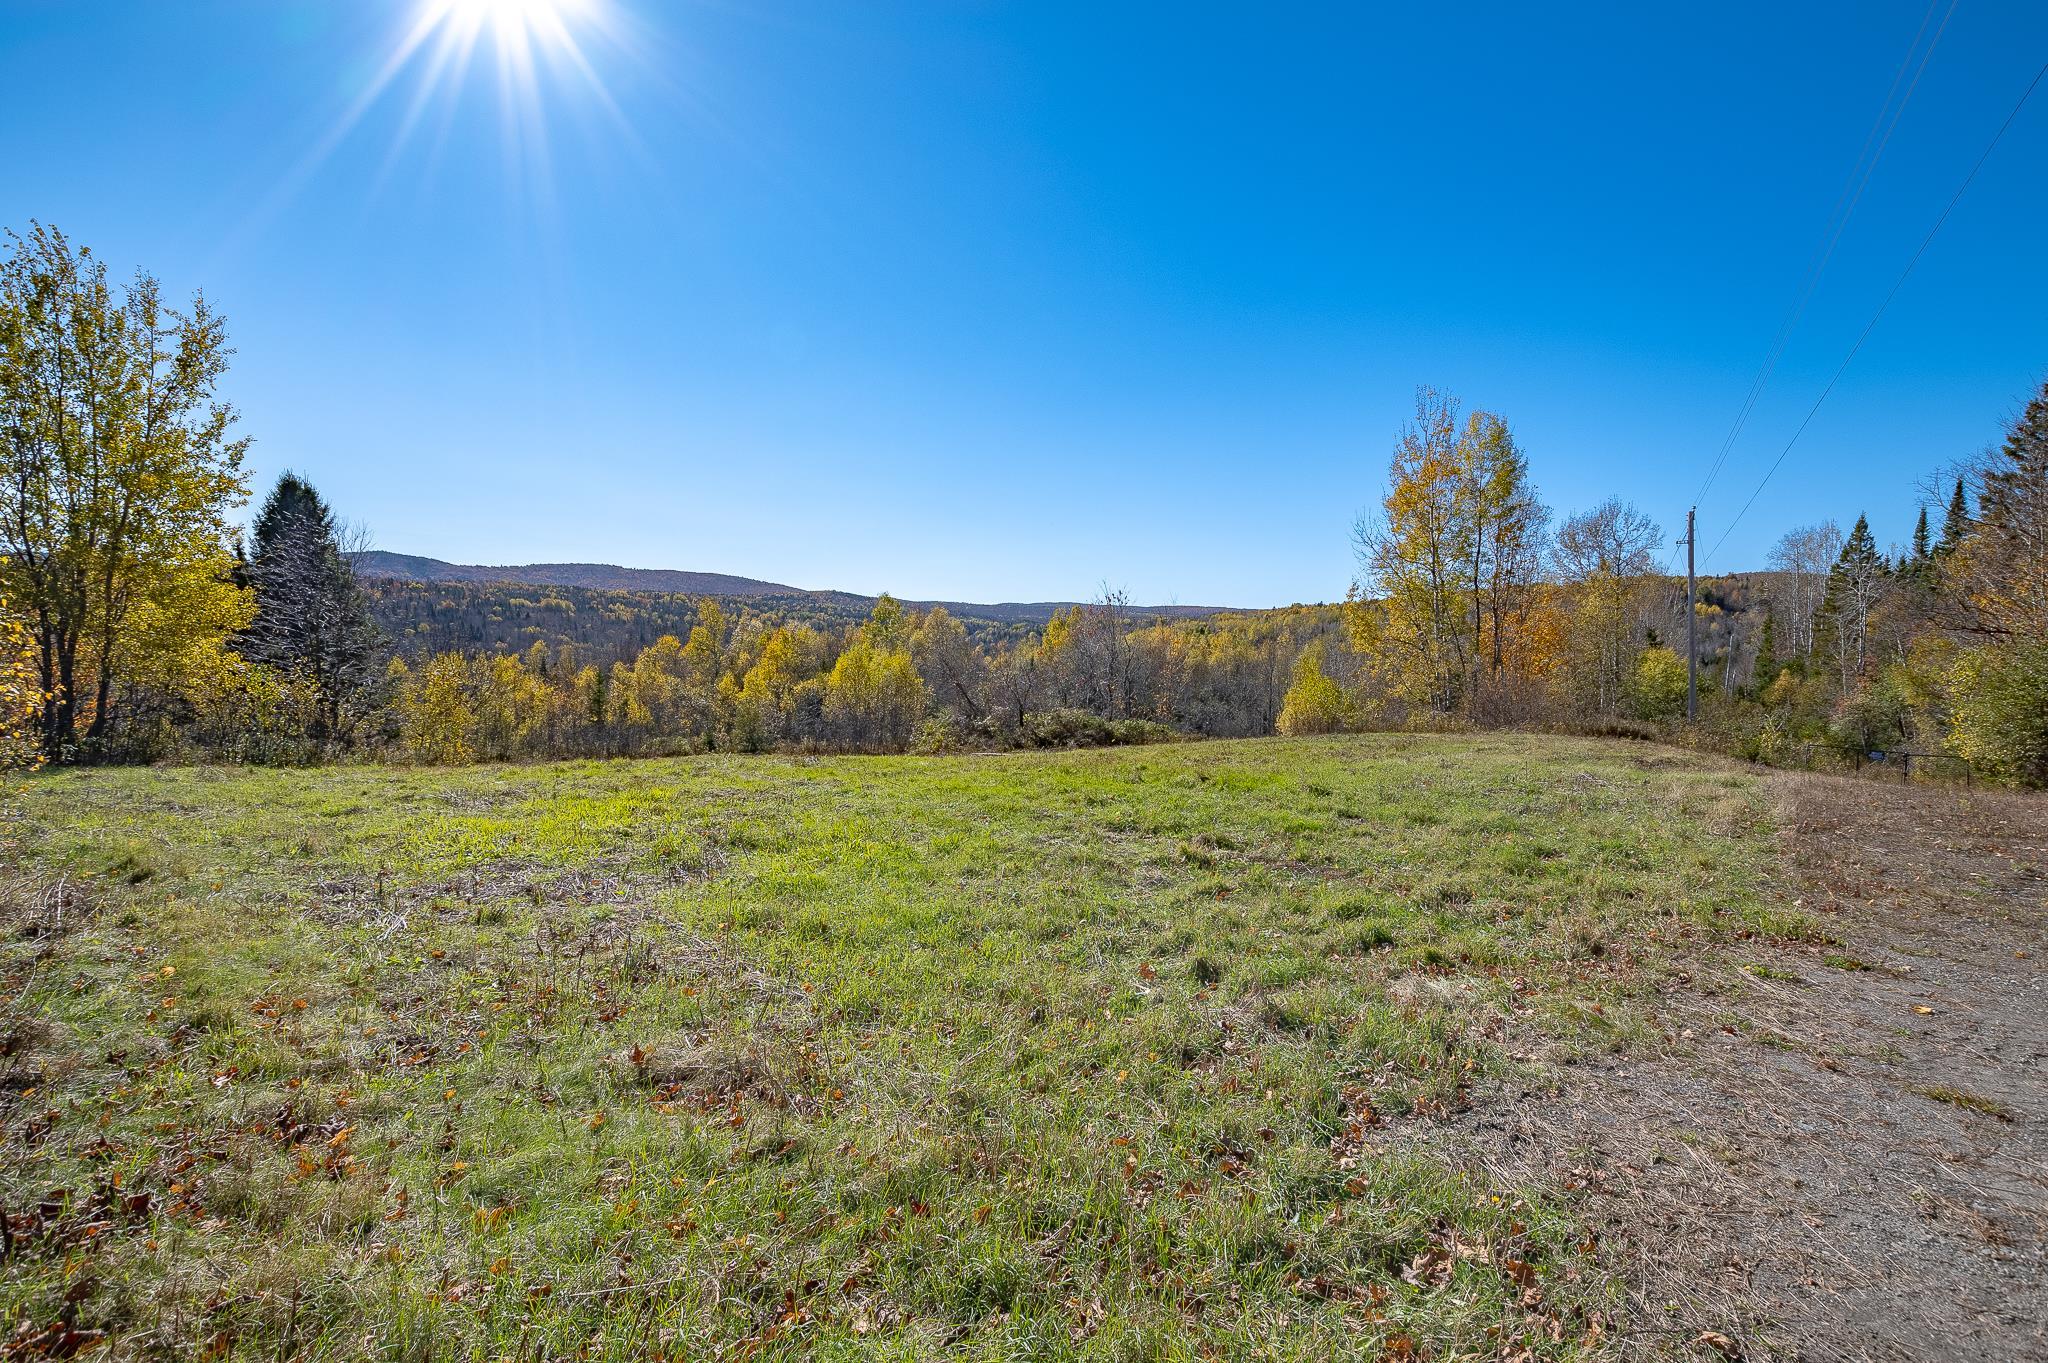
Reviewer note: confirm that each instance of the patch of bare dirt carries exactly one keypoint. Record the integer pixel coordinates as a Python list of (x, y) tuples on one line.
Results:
[(1844, 1155)]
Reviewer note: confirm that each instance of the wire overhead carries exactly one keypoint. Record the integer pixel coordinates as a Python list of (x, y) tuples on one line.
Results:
[(1846, 201), (1874, 143), (1875, 317)]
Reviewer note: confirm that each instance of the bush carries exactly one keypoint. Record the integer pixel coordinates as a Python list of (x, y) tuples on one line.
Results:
[(1999, 720), (1315, 704), (1769, 743), (1876, 716), (939, 733), (1656, 688), (1137, 731), (1070, 728), (1634, 729)]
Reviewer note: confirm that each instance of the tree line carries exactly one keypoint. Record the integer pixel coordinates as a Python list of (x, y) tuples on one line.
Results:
[(1940, 645), (900, 680), (1471, 606), (605, 624), (140, 623)]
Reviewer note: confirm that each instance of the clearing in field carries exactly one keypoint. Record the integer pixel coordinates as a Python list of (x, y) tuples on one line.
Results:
[(1131, 1054)]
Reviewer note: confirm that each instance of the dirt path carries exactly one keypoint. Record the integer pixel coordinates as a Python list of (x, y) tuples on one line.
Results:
[(1839, 1159)]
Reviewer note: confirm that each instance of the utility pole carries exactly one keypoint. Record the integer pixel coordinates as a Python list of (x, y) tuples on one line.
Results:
[(1692, 624)]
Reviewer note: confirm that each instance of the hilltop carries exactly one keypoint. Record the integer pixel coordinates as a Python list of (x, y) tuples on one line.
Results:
[(609, 577), (378, 564)]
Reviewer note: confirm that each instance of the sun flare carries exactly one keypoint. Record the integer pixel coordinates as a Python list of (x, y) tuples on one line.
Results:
[(521, 22), (539, 52)]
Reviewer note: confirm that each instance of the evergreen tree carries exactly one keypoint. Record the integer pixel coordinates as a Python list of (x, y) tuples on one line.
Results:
[(2000, 571), (2016, 489), (1854, 585), (1915, 567), (312, 620), (1767, 664), (1860, 547), (1956, 524)]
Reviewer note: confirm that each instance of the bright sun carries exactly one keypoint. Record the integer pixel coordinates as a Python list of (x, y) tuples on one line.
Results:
[(511, 21), (534, 44), (538, 49)]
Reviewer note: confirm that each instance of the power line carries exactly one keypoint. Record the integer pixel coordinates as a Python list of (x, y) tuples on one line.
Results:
[(1875, 317), (1851, 195)]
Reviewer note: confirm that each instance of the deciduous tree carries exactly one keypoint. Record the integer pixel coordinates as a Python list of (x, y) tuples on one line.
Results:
[(1656, 686), (1507, 531), (953, 669), (438, 722), (1803, 558), (1315, 703), (1603, 559), (1413, 557), (21, 699), (117, 475), (874, 697)]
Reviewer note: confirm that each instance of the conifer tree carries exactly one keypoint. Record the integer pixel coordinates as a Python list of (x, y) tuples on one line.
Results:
[(2015, 498), (2000, 572), (1854, 585), (1767, 666), (312, 619), (2000, 579), (1956, 524), (1915, 567)]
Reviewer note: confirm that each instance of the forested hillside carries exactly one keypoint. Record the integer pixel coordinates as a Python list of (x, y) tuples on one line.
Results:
[(423, 618), (468, 617), (142, 624), (420, 617), (380, 563)]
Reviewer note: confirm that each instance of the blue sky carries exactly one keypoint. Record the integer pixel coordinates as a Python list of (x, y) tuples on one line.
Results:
[(1004, 301)]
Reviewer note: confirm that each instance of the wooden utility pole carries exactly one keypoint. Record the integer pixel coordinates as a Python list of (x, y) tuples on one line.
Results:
[(1692, 624)]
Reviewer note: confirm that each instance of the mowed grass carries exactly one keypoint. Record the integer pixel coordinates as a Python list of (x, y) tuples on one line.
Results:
[(1115, 1055)]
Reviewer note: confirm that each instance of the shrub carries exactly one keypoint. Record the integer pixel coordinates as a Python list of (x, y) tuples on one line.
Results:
[(1064, 728), (1999, 720), (1656, 688), (1136, 731), (938, 733), (1070, 728), (1876, 716), (1314, 704)]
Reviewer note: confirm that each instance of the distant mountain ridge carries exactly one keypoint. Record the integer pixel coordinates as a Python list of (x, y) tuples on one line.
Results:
[(604, 577), (609, 577)]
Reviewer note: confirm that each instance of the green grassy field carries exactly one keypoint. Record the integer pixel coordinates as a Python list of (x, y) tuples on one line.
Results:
[(1104, 1055)]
